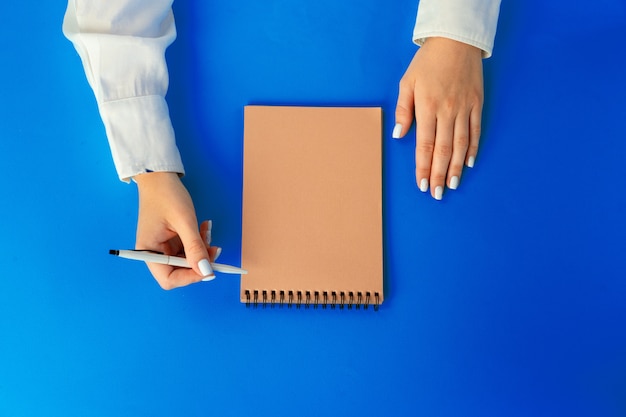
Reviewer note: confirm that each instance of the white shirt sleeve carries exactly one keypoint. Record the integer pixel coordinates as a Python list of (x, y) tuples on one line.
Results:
[(469, 21), (122, 46)]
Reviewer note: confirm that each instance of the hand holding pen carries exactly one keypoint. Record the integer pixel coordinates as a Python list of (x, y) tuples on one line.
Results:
[(167, 224), (150, 256)]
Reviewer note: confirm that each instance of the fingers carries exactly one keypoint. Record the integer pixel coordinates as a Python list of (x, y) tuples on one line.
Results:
[(195, 250), (443, 145), (474, 134), (191, 245), (424, 146), (205, 232), (404, 109), (441, 156), (460, 143), (169, 277)]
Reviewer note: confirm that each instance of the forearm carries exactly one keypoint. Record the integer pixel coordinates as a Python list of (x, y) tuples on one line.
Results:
[(122, 46)]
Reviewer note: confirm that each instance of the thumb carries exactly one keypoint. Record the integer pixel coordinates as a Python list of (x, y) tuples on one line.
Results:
[(404, 109), (196, 252)]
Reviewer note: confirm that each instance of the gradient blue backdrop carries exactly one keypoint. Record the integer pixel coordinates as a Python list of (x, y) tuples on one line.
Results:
[(507, 298)]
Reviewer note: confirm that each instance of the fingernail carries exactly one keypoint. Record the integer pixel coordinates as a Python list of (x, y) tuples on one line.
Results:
[(454, 182), (424, 185), (218, 252), (208, 232), (205, 268), (397, 129), (470, 161), (207, 279), (439, 192)]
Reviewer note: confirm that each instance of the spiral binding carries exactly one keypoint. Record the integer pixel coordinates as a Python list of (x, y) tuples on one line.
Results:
[(315, 299)]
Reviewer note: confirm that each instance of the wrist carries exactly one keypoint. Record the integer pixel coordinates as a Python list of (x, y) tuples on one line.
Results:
[(453, 46), (150, 179)]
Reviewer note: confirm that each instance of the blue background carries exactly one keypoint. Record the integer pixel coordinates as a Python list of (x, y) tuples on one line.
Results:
[(507, 298)]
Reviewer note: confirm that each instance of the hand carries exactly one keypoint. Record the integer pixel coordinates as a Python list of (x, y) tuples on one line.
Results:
[(443, 87), (167, 223)]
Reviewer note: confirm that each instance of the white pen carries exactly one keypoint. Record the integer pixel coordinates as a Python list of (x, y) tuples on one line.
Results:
[(159, 258)]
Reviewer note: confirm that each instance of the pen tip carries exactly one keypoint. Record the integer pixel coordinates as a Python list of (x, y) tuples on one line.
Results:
[(114, 252)]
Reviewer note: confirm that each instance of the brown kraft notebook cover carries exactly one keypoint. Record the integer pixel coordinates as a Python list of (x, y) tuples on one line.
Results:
[(312, 206)]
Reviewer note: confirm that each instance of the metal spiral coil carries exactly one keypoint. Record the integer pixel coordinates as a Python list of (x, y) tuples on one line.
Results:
[(316, 298)]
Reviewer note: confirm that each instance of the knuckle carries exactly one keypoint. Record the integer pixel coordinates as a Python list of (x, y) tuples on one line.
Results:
[(475, 131), (437, 179), (477, 97), (461, 142), (425, 147), (406, 83), (455, 168), (429, 105), (402, 111), (195, 246), (443, 150), (421, 173), (450, 104)]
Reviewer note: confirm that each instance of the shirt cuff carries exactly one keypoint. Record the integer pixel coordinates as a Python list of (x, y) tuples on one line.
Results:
[(470, 22), (140, 136)]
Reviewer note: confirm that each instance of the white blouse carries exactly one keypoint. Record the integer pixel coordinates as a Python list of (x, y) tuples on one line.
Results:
[(122, 46), (469, 21)]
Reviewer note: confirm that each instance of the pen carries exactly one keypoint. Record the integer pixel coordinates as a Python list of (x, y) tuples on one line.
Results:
[(159, 258)]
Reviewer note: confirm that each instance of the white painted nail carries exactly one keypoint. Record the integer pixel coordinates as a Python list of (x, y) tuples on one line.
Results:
[(218, 252), (209, 278), (424, 185), (205, 268), (470, 161), (397, 129), (454, 182), (439, 192)]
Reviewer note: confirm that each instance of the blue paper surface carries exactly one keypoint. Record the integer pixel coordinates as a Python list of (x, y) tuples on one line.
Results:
[(507, 298)]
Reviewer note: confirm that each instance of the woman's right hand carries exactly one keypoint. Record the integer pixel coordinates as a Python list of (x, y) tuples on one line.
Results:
[(167, 223)]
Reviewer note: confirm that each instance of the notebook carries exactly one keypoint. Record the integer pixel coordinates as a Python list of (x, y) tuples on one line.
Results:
[(312, 207)]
